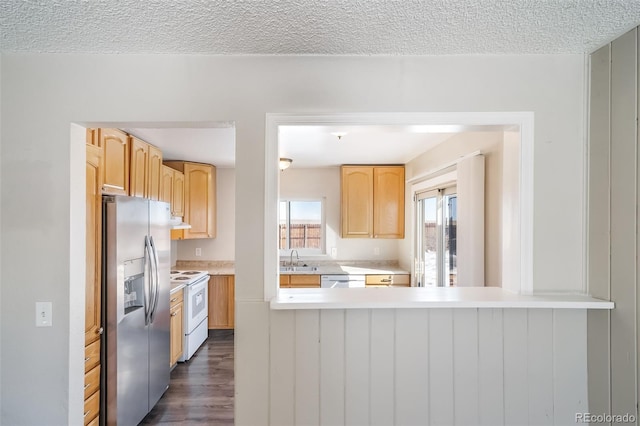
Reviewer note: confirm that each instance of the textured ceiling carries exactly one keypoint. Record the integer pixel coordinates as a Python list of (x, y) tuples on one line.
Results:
[(314, 27)]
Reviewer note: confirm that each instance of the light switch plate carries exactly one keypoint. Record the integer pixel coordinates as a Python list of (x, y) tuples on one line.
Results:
[(44, 314)]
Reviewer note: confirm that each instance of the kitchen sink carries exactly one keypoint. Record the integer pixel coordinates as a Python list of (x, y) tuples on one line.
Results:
[(304, 268)]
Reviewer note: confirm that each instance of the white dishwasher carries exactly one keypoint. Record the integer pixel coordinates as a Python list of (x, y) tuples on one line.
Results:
[(341, 281)]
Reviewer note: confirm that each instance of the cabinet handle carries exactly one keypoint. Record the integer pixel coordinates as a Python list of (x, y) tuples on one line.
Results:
[(385, 280), (173, 314), (173, 300), (100, 330), (86, 386), (87, 359), (87, 413)]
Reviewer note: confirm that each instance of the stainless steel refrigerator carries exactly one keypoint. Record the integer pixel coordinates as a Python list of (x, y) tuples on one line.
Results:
[(137, 246)]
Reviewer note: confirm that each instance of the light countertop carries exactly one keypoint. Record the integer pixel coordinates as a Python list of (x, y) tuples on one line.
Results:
[(176, 287), (213, 267), (350, 268), (420, 297)]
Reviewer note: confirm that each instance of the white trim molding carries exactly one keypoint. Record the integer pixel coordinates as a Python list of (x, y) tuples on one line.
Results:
[(518, 280)]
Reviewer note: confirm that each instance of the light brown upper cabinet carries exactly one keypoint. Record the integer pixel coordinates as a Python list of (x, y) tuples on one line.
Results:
[(115, 150), (146, 161), (372, 201), (177, 199), (172, 189), (199, 198), (155, 168), (138, 174)]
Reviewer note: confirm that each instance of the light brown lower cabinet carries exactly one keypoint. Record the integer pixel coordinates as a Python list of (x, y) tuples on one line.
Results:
[(300, 281), (222, 302), (91, 408), (389, 280), (176, 327)]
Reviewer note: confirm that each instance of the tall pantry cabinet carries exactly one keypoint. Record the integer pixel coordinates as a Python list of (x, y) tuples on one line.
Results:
[(93, 328)]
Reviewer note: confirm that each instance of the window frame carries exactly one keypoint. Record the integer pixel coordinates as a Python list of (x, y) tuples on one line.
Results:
[(323, 228)]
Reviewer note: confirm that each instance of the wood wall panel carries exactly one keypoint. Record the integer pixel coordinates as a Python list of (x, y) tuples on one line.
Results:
[(332, 362), (540, 363), (516, 381), (412, 361), (441, 393), (307, 367), (382, 367), (426, 366), (357, 366), (623, 223), (599, 173), (614, 220), (570, 394), (490, 366), (465, 367), (599, 207)]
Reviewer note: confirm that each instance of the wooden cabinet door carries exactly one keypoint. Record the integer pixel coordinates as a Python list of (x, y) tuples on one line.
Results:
[(388, 205), (93, 200), (177, 198), (139, 174), (304, 281), (176, 331), (166, 185), (154, 172), (221, 302), (199, 200), (357, 202), (92, 137), (115, 150)]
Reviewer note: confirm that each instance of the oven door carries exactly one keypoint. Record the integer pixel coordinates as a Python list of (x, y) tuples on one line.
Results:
[(197, 305)]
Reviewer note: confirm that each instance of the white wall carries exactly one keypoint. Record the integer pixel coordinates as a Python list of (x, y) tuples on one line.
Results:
[(223, 246), (490, 144), (42, 94), (325, 183)]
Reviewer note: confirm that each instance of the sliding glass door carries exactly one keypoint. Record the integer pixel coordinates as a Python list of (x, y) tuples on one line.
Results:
[(436, 223)]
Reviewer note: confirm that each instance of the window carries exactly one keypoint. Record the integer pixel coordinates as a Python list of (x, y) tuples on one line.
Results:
[(436, 242), (301, 226)]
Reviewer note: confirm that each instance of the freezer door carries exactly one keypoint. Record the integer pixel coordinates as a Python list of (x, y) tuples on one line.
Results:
[(160, 234)]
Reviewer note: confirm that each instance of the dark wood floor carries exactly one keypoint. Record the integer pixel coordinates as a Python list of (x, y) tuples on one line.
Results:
[(201, 390)]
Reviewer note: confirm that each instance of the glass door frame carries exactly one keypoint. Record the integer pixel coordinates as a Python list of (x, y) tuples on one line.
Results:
[(419, 265)]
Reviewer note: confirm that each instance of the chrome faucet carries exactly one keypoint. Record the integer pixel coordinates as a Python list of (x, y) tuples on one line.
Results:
[(291, 258)]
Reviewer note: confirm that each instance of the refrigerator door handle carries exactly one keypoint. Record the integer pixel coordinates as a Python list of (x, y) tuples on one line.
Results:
[(156, 280), (148, 265)]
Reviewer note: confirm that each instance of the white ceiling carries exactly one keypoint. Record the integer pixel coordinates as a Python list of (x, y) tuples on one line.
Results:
[(316, 146), (314, 27), (211, 145)]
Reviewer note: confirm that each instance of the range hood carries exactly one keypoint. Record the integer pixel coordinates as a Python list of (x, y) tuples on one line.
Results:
[(177, 223)]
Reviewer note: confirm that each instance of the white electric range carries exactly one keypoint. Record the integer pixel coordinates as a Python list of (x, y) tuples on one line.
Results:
[(196, 309)]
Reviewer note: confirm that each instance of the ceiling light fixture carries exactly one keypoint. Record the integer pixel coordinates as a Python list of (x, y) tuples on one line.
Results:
[(339, 135), (284, 163)]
